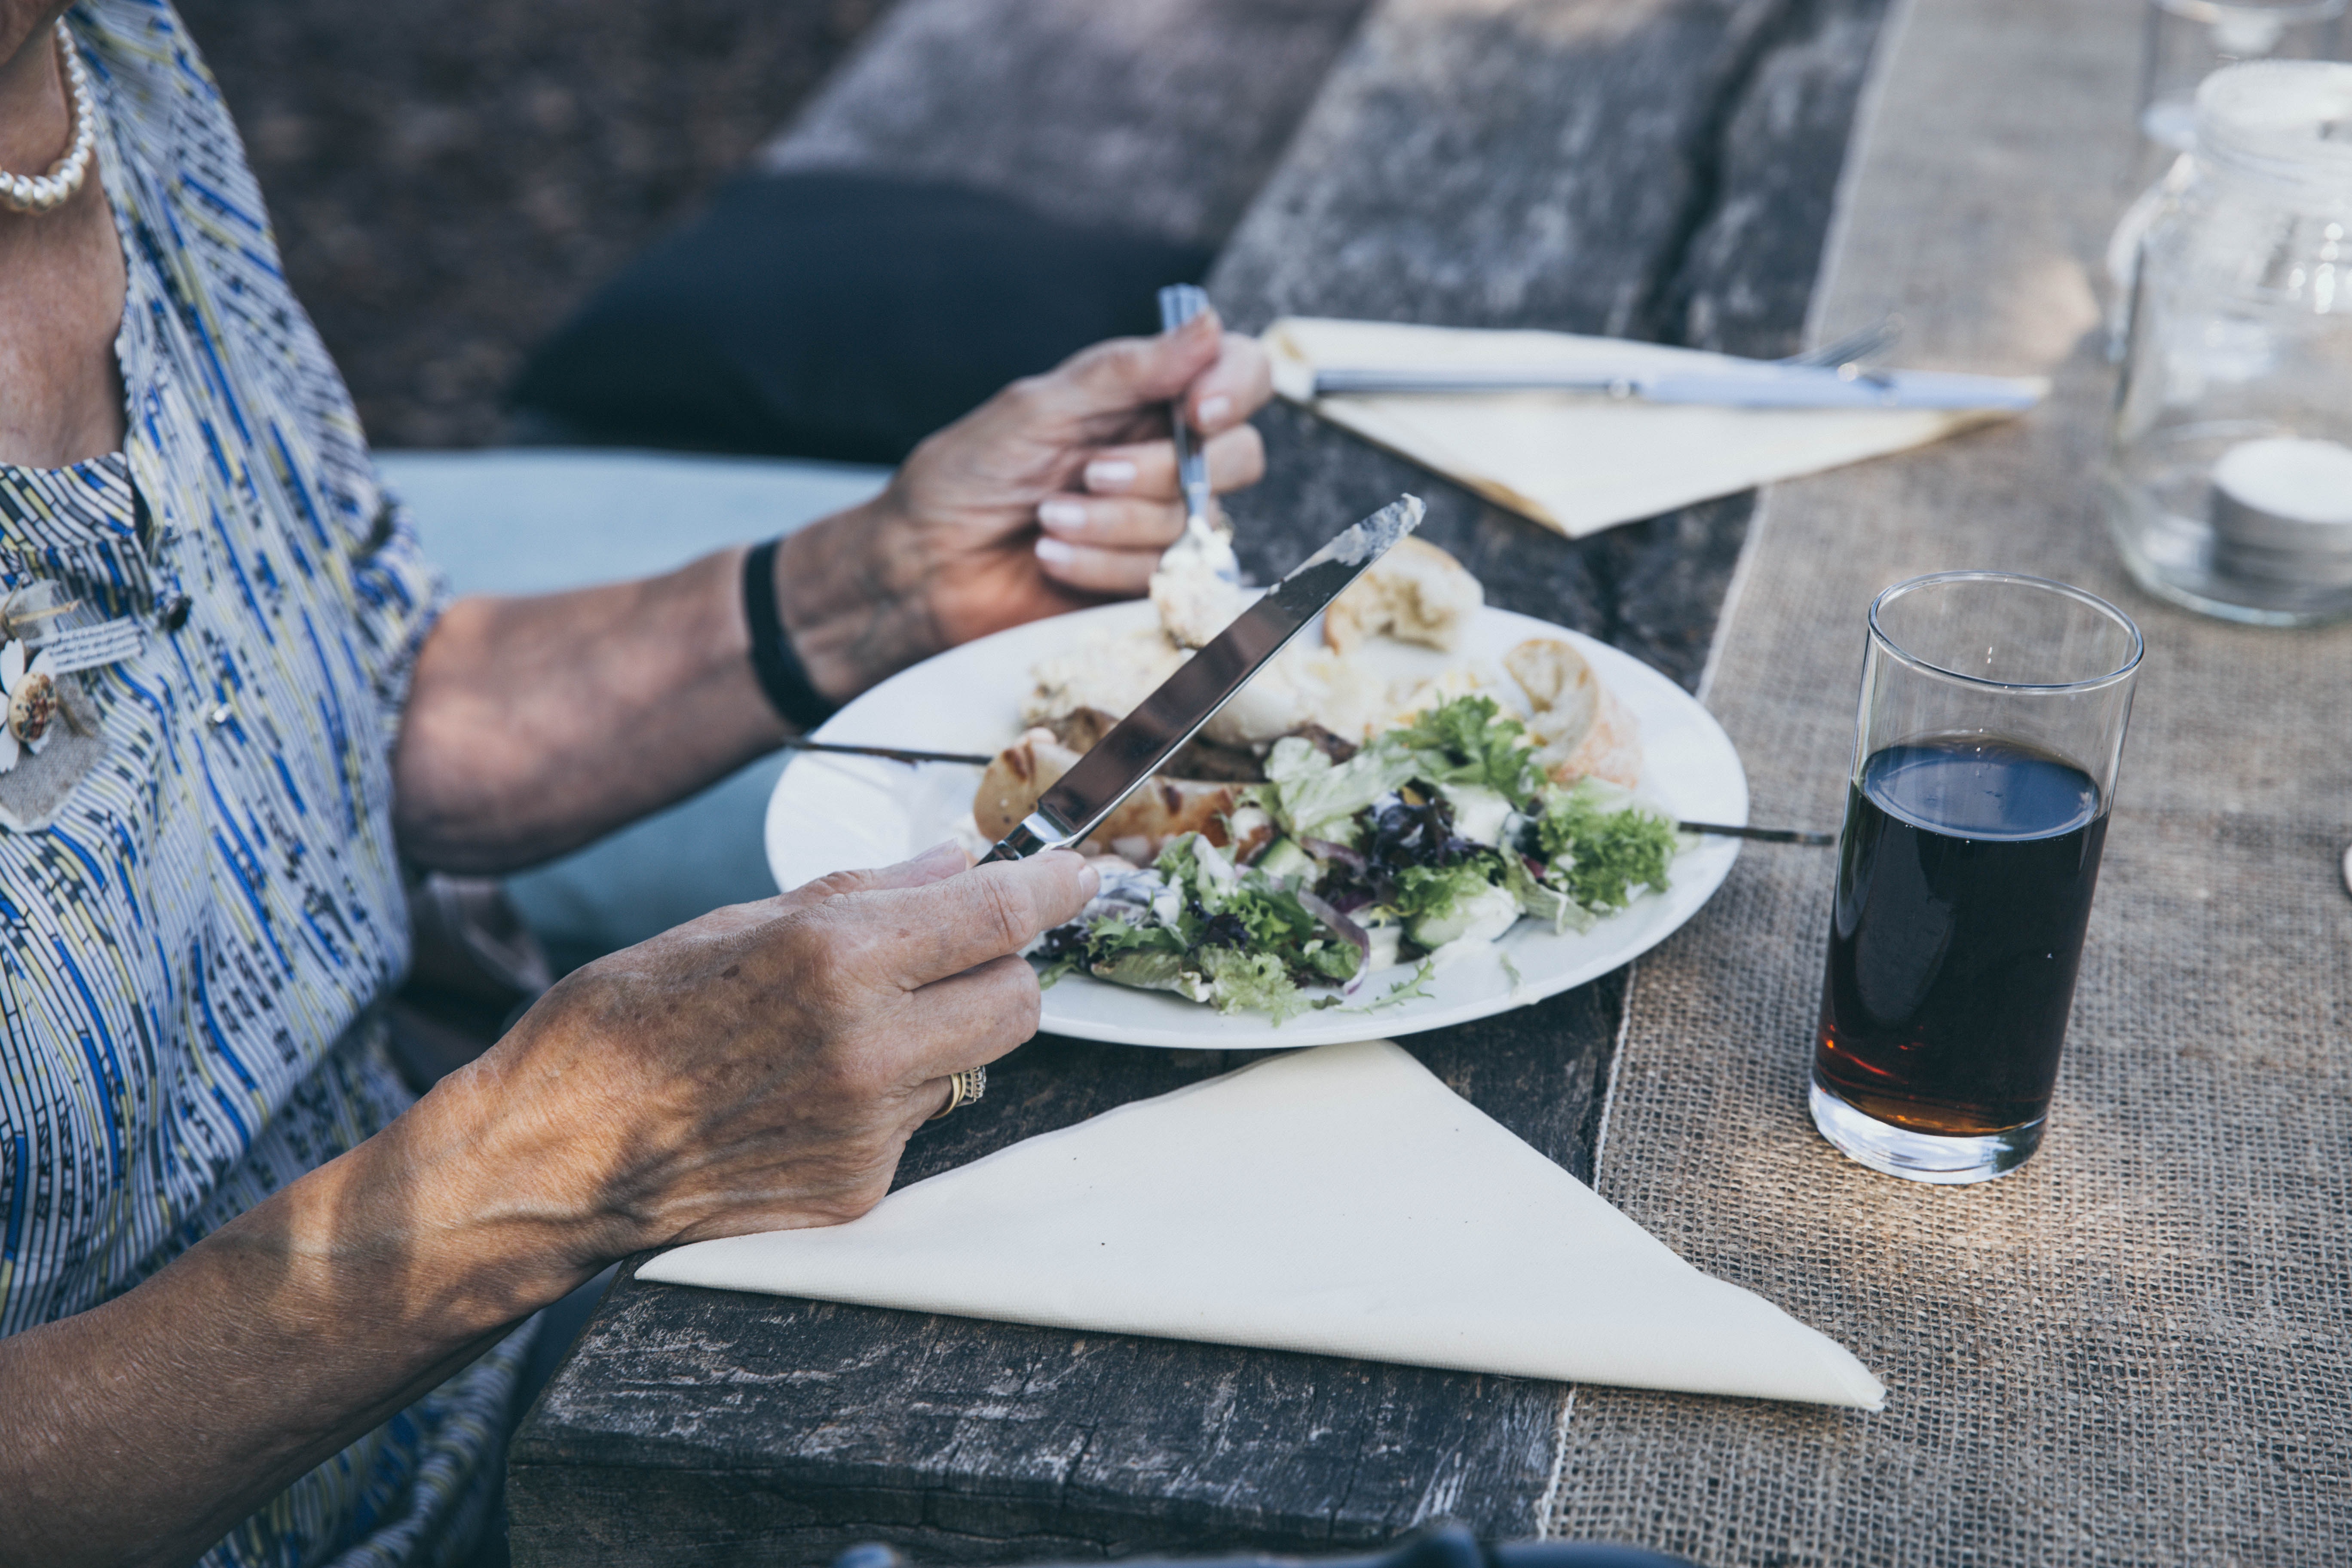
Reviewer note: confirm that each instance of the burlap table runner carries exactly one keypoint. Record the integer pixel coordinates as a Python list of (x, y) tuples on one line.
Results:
[(2136, 1350)]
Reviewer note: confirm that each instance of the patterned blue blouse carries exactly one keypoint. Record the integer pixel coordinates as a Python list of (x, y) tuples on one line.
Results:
[(201, 909)]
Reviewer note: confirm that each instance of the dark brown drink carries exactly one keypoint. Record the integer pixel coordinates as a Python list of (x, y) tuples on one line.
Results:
[(1964, 885)]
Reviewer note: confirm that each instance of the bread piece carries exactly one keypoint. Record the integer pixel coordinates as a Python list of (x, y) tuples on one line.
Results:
[(1110, 672), (1578, 727), (1013, 780), (1416, 593), (1157, 812)]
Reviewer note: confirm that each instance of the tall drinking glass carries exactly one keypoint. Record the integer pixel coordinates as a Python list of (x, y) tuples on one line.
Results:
[(1993, 709)]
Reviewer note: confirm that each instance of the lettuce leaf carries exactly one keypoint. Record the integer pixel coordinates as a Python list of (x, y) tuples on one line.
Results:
[(1255, 981), (1243, 904), (1336, 960), (1413, 987), (1598, 848), (1468, 742), (1313, 797), (1424, 892), (1114, 935), (1156, 971), (1443, 904), (1542, 902)]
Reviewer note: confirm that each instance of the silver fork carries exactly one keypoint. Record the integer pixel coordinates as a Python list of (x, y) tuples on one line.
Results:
[(1179, 304)]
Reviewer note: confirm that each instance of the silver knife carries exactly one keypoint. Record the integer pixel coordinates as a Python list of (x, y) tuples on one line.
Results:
[(1142, 741), (1756, 385)]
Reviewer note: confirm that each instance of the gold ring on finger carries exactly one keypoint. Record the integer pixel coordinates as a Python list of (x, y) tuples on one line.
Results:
[(964, 1088)]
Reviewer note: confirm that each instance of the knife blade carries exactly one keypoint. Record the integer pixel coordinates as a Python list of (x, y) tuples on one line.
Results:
[(1734, 386), (1138, 744)]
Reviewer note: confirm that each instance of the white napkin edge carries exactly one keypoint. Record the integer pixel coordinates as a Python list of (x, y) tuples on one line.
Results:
[(1860, 434), (740, 1263)]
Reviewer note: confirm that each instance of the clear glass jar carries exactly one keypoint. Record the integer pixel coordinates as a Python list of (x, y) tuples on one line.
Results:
[(2228, 482)]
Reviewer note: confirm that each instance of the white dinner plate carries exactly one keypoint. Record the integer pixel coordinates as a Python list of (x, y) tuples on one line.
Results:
[(835, 814)]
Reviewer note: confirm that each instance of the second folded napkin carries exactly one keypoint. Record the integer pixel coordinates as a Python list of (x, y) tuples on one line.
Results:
[(1340, 1201), (1578, 462)]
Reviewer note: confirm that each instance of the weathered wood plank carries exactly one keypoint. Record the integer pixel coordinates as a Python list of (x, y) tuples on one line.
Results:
[(806, 1426), (1012, 1443), (1659, 169), (1493, 162), (1159, 116), (1656, 167), (1762, 184)]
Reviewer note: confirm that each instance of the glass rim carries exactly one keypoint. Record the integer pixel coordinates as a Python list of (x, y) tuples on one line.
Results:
[(1885, 639)]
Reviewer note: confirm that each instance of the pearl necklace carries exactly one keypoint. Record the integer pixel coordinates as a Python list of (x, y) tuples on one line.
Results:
[(45, 192)]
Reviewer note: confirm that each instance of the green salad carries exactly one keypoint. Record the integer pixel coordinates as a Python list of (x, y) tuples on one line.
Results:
[(1442, 831)]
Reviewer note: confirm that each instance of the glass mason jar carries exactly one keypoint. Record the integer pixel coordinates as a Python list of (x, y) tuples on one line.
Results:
[(2229, 480)]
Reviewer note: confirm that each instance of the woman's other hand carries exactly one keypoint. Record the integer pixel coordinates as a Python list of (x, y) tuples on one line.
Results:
[(759, 1068), (1057, 493)]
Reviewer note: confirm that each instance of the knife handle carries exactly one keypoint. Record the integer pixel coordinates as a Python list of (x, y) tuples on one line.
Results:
[(1036, 835)]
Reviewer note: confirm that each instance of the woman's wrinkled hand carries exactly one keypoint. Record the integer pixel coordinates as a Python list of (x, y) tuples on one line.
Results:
[(1057, 493), (760, 1068)]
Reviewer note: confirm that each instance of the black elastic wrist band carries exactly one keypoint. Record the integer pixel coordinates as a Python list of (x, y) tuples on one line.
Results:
[(782, 676)]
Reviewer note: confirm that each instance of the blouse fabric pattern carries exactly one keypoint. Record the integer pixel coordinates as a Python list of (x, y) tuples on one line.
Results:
[(194, 950)]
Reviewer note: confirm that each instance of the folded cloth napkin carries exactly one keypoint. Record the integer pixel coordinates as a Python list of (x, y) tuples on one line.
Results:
[(1578, 462), (1340, 1201)]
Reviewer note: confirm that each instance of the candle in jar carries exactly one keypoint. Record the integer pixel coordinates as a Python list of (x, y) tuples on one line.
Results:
[(2282, 511)]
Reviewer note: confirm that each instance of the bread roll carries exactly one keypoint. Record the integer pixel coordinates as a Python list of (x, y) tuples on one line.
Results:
[(1578, 727), (1416, 593)]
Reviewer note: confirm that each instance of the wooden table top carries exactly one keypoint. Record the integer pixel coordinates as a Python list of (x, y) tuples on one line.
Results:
[(1660, 169)]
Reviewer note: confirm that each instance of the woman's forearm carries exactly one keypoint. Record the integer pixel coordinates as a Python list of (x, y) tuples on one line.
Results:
[(533, 725), (142, 1431)]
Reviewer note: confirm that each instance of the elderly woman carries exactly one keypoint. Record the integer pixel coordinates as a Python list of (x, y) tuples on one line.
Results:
[(257, 1305)]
